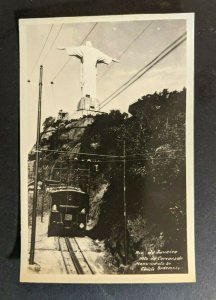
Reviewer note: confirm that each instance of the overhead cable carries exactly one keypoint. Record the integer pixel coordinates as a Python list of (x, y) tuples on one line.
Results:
[(60, 28), (126, 49), (42, 49), (144, 69)]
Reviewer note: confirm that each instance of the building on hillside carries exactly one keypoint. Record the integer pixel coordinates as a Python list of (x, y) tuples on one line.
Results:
[(63, 115)]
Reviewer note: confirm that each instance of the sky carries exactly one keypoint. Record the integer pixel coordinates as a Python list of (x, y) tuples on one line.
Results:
[(112, 38)]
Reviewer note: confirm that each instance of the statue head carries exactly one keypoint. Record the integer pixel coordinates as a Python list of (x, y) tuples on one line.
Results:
[(88, 43)]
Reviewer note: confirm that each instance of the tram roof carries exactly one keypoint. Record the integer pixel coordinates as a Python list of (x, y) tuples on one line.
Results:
[(61, 189)]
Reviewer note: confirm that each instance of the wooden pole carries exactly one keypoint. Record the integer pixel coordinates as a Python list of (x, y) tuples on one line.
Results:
[(43, 192), (125, 206), (34, 208)]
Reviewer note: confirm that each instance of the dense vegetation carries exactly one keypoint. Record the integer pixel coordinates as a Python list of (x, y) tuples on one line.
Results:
[(155, 174)]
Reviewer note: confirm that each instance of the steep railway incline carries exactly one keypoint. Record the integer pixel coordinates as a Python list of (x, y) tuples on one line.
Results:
[(73, 257), (53, 257)]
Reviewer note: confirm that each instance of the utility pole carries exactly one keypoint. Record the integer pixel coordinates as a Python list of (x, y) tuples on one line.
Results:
[(43, 186), (125, 205), (89, 174), (88, 179), (34, 208), (60, 171), (42, 208)]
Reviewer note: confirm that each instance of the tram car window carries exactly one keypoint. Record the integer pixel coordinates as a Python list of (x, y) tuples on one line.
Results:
[(68, 212)]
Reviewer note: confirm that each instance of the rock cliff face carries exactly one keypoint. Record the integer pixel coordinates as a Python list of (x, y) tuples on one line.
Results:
[(60, 142), (65, 131), (61, 135)]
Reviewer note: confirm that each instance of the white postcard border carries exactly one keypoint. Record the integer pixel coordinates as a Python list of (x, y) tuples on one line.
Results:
[(25, 275)]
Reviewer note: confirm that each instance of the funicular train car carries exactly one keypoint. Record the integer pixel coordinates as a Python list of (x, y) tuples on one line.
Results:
[(69, 209)]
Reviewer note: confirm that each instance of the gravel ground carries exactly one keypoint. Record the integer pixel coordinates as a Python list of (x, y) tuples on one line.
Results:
[(48, 256)]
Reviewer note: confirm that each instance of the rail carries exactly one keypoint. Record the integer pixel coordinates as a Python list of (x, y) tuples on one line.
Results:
[(73, 263)]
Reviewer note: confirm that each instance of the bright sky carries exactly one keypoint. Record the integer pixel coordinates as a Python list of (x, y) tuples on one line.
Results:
[(112, 38)]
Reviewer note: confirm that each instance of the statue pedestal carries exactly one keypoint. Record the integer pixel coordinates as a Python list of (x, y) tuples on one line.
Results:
[(87, 106)]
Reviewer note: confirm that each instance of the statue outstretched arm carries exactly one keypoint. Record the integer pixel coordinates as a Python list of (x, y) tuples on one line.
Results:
[(105, 59), (115, 60), (73, 51)]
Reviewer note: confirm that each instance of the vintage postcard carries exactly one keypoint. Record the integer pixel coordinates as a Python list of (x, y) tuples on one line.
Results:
[(106, 136)]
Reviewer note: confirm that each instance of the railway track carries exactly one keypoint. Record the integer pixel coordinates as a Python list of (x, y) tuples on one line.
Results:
[(73, 257)]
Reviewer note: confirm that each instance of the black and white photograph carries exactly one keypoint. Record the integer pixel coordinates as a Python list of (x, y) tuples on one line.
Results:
[(106, 149)]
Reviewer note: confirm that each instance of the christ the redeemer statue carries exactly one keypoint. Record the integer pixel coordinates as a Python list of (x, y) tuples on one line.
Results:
[(89, 57)]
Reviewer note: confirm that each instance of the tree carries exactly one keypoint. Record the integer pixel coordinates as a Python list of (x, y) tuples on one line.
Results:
[(155, 181), (49, 121)]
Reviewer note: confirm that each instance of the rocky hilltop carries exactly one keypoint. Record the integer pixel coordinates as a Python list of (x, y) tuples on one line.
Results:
[(154, 136)]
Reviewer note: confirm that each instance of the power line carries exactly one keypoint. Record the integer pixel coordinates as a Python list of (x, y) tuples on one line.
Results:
[(68, 60), (93, 27), (126, 49), (150, 65), (37, 60), (53, 42), (62, 68), (141, 159), (128, 160), (106, 155), (143, 154), (146, 71), (79, 153)]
